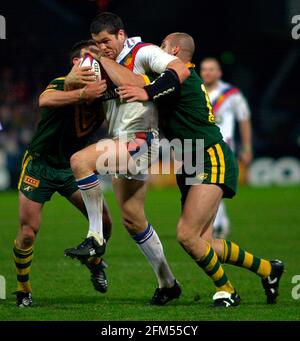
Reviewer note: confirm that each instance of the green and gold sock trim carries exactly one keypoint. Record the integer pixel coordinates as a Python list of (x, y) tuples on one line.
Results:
[(213, 268), (23, 259), (235, 255)]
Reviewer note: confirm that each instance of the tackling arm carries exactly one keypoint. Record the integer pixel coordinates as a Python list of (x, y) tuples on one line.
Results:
[(58, 98), (120, 75)]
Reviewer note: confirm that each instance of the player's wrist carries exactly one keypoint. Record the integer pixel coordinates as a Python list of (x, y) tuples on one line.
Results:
[(82, 94)]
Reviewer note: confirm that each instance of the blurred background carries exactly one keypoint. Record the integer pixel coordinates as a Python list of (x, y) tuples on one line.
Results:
[(252, 39)]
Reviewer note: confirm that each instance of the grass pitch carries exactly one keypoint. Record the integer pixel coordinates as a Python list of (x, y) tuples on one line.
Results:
[(265, 221)]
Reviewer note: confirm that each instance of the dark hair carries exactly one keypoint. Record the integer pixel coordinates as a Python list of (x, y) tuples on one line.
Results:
[(77, 47), (106, 21)]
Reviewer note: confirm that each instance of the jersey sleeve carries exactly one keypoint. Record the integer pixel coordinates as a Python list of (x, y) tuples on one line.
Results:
[(152, 58), (55, 84), (241, 107)]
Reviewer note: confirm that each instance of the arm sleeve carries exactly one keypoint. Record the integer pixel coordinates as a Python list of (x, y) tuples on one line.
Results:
[(152, 58), (241, 107)]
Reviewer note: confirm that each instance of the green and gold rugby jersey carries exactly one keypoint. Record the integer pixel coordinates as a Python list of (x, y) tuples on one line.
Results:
[(188, 115), (64, 130)]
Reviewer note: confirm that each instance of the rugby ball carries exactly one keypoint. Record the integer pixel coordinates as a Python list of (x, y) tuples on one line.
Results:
[(88, 60)]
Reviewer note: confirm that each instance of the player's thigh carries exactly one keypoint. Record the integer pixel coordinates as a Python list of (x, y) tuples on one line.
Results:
[(200, 207), (30, 213), (111, 157)]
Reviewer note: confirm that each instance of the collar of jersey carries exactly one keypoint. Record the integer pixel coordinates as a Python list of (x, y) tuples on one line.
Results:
[(190, 65)]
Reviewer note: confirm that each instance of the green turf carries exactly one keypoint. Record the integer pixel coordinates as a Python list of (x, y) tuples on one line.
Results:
[(264, 220)]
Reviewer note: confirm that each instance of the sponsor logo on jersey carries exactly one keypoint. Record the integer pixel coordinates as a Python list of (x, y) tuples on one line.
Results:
[(202, 176), (31, 181), (28, 188), (51, 86)]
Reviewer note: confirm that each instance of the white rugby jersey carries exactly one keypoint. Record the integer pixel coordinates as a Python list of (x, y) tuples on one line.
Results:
[(229, 105), (125, 117)]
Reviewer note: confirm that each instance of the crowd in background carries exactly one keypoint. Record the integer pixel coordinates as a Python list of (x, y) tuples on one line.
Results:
[(19, 114)]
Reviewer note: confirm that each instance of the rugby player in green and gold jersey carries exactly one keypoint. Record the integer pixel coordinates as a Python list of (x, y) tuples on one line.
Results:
[(186, 113), (68, 118)]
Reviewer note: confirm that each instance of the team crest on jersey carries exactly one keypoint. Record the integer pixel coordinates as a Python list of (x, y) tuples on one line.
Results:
[(202, 176), (31, 181), (51, 86), (28, 188)]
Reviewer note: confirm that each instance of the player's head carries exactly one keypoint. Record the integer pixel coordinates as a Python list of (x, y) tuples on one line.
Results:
[(179, 44), (210, 70), (79, 49), (107, 30)]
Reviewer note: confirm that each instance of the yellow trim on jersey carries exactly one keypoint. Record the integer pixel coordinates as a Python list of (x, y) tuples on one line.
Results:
[(211, 117), (47, 90), (146, 79), (222, 163), (24, 157), (214, 164), (54, 85), (25, 163), (190, 65)]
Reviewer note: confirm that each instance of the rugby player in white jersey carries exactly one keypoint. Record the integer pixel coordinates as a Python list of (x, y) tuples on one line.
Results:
[(133, 128), (229, 107)]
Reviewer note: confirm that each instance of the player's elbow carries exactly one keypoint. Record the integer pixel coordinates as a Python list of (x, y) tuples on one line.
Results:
[(44, 101)]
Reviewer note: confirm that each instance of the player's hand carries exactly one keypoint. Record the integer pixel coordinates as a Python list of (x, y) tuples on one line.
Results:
[(80, 76), (94, 51), (93, 90), (132, 93)]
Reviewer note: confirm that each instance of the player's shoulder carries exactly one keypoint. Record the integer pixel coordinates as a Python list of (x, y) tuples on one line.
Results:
[(147, 48), (154, 53), (56, 84), (58, 80)]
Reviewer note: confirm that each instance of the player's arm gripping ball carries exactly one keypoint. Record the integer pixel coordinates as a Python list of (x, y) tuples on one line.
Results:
[(84, 71)]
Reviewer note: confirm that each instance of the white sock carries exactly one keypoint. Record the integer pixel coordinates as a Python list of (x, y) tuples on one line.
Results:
[(93, 199), (221, 217), (149, 243)]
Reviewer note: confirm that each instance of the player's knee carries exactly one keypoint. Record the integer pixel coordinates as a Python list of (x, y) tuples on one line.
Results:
[(184, 235), (132, 216), (128, 224), (76, 161), (27, 235), (132, 225)]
